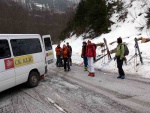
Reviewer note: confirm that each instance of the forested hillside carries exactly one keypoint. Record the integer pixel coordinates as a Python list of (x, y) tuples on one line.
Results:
[(91, 15), (14, 18), (57, 5)]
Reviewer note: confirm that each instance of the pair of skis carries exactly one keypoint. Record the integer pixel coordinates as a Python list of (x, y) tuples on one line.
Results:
[(139, 52), (137, 46), (108, 52), (109, 56)]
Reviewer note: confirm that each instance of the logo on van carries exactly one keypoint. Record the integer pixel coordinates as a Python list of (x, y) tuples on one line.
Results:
[(49, 54), (23, 60), (9, 63)]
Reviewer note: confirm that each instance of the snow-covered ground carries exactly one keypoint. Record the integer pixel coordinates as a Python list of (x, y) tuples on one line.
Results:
[(128, 29)]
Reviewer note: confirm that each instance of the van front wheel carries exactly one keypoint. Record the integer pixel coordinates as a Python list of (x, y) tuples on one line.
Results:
[(33, 79)]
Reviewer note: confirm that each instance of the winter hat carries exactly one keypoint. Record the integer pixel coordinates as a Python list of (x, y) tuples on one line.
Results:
[(89, 41), (84, 42)]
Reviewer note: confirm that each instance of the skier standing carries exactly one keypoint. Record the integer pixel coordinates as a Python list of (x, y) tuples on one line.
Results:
[(58, 50), (120, 57), (91, 54), (66, 58), (83, 55), (70, 53)]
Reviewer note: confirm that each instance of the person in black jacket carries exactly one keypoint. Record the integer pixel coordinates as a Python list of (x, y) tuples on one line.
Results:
[(70, 53), (83, 55)]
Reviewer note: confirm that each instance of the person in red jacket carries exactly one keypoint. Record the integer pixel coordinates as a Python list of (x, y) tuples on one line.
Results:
[(91, 54), (66, 58), (58, 50)]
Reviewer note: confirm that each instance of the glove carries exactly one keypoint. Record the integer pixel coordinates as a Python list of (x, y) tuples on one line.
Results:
[(115, 58), (125, 59), (121, 58)]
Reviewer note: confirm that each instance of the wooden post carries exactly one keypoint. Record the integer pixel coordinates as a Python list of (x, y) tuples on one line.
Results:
[(145, 40), (100, 44)]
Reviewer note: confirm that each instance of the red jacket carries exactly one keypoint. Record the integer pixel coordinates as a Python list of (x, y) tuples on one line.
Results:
[(58, 50), (91, 50), (65, 52)]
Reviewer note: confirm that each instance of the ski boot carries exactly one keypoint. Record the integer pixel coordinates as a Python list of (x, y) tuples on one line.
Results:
[(119, 76), (86, 69), (122, 77), (91, 74)]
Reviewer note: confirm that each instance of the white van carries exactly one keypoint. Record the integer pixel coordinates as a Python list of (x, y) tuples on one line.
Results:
[(24, 58)]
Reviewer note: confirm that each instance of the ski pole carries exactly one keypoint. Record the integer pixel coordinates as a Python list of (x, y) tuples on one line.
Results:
[(134, 56)]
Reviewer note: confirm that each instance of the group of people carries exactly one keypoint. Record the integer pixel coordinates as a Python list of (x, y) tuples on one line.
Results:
[(64, 56), (89, 55)]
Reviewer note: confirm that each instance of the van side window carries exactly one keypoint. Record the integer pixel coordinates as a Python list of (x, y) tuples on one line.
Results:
[(25, 46), (4, 49), (48, 45)]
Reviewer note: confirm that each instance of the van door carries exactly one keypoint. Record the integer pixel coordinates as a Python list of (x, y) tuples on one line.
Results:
[(48, 49), (7, 73)]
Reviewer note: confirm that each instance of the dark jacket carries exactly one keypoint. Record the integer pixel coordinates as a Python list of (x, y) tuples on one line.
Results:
[(69, 50), (83, 54)]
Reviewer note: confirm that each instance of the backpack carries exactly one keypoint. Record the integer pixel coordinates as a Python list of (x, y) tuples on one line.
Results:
[(126, 50)]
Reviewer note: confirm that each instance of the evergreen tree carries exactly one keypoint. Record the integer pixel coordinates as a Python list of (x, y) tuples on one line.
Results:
[(90, 14)]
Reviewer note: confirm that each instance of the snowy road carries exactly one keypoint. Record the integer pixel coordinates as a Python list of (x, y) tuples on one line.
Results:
[(75, 92)]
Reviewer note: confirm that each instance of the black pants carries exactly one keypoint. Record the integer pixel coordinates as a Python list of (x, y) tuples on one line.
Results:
[(66, 64), (58, 60), (119, 66), (70, 60)]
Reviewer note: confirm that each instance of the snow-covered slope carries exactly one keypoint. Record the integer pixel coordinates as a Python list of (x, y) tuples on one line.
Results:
[(128, 24)]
